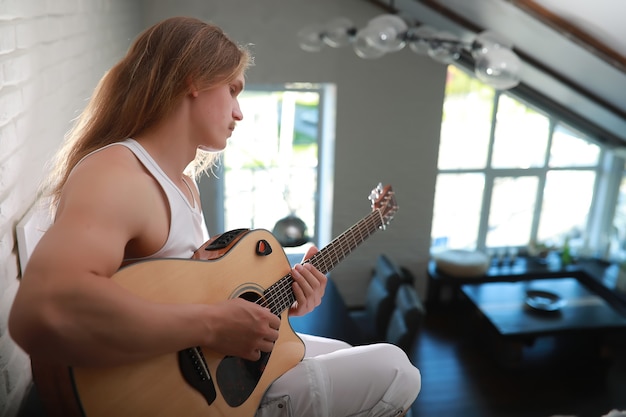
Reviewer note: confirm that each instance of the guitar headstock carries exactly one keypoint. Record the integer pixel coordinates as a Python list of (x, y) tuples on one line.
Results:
[(384, 200)]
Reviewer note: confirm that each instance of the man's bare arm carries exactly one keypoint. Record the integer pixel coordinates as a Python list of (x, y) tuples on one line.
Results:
[(67, 308)]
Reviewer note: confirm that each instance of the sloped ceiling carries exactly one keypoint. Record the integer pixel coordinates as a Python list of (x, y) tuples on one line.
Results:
[(597, 25), (574, 51)]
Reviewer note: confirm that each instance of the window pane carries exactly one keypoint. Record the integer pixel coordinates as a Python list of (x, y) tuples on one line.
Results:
[(458, 199), (271, 162), (521, 136), (512, 210), (569, 149), (466, 122), (566, 203)]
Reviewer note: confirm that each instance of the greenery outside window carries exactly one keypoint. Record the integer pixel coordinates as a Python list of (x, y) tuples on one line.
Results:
[(276, 157)]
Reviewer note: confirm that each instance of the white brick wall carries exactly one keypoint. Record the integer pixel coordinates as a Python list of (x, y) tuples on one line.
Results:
[(52, 54)]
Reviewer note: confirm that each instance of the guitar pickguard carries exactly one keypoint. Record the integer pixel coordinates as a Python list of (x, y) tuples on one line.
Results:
[(237, 378)]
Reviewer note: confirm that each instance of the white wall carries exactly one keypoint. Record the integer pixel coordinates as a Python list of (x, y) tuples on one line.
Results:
[(389, 112), (51, 56), (388, 118)]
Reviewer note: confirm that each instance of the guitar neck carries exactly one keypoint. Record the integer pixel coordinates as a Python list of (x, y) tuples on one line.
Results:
[(337, 250), (279, 296)]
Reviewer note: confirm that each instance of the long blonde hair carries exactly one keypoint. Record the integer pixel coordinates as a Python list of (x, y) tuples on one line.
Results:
[(146, 85)]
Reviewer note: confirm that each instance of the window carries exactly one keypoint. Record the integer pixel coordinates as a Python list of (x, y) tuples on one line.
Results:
[(510, 175), (615, 238), (273, 164)]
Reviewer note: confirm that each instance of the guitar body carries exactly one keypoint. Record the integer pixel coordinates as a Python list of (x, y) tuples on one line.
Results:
[(157, 387), (197, 382)]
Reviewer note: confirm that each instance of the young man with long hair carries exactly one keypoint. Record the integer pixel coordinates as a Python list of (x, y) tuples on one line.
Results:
[(123, 190)]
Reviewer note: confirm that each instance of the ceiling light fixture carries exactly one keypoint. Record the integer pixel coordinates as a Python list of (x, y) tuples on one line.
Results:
[(495, 63)]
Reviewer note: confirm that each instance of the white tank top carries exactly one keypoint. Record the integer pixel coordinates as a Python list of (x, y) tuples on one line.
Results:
[(187, 226)]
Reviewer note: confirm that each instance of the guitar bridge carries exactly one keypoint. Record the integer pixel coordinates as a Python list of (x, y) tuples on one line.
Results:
[(195, 371)]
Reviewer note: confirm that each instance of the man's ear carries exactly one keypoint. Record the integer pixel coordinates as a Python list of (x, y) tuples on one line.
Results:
[(191, 85)]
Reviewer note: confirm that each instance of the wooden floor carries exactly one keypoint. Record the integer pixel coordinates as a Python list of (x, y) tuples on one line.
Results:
[(462, 376)]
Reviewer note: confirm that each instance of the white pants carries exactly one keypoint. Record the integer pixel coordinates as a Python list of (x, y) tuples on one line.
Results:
[(338, 380)]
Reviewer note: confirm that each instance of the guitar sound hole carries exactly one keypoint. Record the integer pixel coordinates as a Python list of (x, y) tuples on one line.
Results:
[(258, 299), (251, 296)]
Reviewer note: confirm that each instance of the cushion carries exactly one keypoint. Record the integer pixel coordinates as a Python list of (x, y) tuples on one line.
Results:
[(462, 263), (399, 333), (388, 273), (410, 305), (379, 306)]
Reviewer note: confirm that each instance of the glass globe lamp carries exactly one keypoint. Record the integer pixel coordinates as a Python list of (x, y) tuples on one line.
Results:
[(310, 38), (488, 40), (339, 32), (364, 48), (445, 48), (419, 39), (386, 32), (499, 68)]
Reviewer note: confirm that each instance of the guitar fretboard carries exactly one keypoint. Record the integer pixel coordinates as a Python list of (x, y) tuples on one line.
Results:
[(279, 296)]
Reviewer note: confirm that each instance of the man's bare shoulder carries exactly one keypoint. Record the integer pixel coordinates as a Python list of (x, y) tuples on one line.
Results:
[(113, 160), (112, 187), (109, 172), (110, 206)]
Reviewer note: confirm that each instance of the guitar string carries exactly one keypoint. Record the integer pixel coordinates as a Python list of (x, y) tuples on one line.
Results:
[(328, 262), (341, 242), (284, 291), (281, 290)]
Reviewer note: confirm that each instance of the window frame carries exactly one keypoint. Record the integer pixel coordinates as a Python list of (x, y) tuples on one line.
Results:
[(608, 175)]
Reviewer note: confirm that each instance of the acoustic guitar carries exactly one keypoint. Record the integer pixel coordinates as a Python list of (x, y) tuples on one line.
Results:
[(197, 382)]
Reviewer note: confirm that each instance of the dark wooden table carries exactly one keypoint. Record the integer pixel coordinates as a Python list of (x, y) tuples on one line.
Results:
[(504, 305), (511, 325), (597, 274)]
